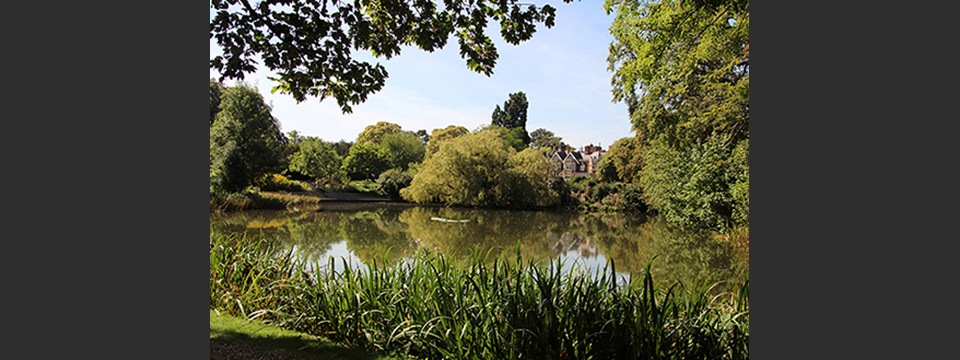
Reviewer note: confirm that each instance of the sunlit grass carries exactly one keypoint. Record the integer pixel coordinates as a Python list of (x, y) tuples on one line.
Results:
[(250, 333), (480, 308)]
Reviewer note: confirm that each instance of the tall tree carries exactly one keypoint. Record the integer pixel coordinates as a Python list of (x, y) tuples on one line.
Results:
[(245, 140), (342, 147), (216, 88), (683, 68), (513, 115), (309, 43)]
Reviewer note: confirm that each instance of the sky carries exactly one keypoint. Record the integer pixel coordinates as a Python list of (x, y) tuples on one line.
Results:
[(562, 71)]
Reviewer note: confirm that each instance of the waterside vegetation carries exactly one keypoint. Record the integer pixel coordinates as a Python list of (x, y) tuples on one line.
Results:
[(481, 308)]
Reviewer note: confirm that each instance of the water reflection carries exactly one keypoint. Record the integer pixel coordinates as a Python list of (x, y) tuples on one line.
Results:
[(362, 234)]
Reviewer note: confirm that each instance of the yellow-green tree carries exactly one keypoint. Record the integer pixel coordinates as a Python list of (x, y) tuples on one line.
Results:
[(683, 68), (623, 162), (438, 136), (481, 170), (374, 134)]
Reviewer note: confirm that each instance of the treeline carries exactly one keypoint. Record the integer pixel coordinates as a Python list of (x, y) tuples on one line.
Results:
[(686, 85), (493, 166)]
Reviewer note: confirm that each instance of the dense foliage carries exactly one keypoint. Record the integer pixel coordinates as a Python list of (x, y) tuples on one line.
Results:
[(374, 134), (310, 43), (245, 140), (714, 178), (479, 169), (216, 89), (438, 136), (391, 181), (402, 149), (682, 67), (365, 161), (623, 162), (315, 158), (545, 140), (513, 116), (277, 182)]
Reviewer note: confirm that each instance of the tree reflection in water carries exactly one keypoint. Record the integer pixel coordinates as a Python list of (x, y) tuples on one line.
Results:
[(631, 241)]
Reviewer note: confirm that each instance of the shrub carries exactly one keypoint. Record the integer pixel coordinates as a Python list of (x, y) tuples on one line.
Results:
[(277, 182), (363, 186), (391, 181), (703, 185), (249, 198), (632, 198), (599, 191), (561, 189)]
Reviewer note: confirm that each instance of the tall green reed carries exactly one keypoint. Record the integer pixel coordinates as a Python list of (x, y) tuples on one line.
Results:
[(482, 308)]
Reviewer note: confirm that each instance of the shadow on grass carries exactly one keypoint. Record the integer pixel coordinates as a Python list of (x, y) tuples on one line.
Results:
[(230, 330)]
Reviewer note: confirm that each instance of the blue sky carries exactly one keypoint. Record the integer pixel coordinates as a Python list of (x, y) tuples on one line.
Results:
[(563, 71)]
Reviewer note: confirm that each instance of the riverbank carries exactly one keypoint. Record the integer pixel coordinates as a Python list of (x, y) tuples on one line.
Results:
[(480, 307), (296, 201)]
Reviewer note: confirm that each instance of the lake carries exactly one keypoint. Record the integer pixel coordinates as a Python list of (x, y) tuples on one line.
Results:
[(357, 233)]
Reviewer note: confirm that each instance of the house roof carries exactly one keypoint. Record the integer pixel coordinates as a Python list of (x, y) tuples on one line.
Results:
[(563, 155)]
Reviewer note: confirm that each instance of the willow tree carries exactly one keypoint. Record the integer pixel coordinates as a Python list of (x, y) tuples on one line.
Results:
[(438, 136), (683, 69), (481, 170)]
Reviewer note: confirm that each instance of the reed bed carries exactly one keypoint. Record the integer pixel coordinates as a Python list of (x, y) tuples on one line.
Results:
[(481, 308)]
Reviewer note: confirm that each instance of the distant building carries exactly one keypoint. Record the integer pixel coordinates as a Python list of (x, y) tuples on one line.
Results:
[(569, 163)]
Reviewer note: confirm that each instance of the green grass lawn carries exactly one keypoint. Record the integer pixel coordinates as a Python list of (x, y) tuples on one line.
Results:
[(237, 331)]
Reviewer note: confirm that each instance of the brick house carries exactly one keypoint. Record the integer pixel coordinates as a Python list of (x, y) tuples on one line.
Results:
[(569, 163)]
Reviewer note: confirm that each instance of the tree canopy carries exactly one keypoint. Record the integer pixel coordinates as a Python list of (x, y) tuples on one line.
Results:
[(479, 169), (365, 161), (402, 149), (245, 140), (623, 162), (373, 134), (309, 43), (315, 158), (683, 68), (545, 139), (513, 115), (512, 137), (216, 89), (438, 136)]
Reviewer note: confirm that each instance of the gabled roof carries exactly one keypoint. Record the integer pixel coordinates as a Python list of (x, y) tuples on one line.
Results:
[(563, 155)]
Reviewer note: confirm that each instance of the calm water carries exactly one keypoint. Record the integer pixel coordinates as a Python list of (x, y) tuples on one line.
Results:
[(359, 233)]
